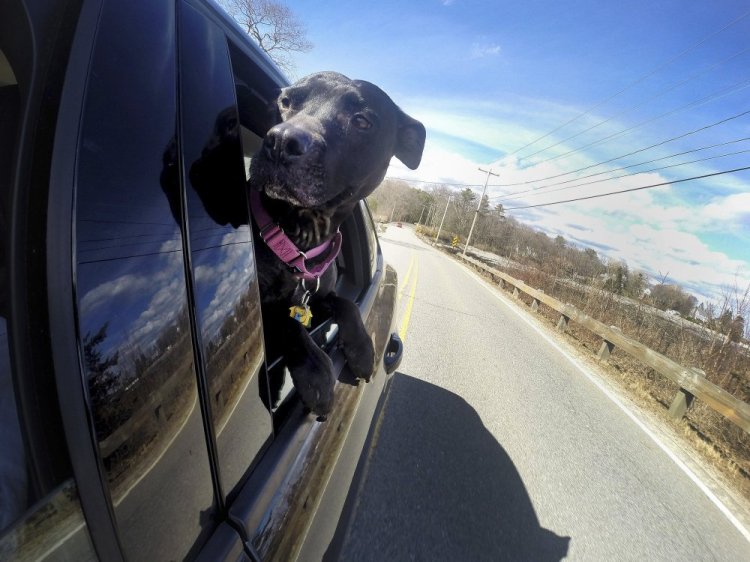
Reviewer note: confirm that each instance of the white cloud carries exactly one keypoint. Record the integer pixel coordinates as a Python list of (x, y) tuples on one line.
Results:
[(162, 310), (438, 165), (657, 230), (482, 49), (728, 208), (227, 278), (647, 235), (117, 288)]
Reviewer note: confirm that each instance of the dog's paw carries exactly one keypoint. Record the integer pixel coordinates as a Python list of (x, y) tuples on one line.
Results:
[(361, 358), (315, 382)]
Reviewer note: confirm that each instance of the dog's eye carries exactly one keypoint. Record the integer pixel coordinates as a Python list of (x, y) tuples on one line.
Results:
[(361, 122), (285, 102)]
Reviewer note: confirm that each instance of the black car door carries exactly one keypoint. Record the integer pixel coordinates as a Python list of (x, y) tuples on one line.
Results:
[(167, 309)]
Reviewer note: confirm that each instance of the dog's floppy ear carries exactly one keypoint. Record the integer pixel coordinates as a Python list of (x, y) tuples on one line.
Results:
[(410, 140)]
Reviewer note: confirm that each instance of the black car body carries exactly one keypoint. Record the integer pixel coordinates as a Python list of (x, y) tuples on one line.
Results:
[(141, 418)]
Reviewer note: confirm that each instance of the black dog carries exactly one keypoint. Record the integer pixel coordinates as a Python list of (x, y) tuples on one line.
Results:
[(331, 149)]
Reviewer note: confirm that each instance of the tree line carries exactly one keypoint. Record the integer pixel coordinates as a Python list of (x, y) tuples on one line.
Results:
[(396, 200)]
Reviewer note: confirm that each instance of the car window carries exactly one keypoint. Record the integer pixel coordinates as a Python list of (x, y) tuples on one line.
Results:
[(224, 281), (133, 311), (35, 520)]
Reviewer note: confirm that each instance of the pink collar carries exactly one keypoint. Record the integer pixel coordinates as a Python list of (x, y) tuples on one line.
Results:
[(280, 244)]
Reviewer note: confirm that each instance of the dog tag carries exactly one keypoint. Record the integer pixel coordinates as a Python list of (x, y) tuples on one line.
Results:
[(301, 314)]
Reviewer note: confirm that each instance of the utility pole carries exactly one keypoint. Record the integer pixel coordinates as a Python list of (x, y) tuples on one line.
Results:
[(392, 212), (476, 213), (443, 219), (420, 215)]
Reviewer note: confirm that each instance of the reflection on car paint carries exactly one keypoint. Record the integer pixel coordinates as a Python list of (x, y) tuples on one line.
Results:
[(40, 532), (224, 281), (135, 335), (276, 535)]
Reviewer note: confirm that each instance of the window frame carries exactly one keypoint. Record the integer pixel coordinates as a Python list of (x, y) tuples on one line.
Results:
[(225, 491), (41, 217)]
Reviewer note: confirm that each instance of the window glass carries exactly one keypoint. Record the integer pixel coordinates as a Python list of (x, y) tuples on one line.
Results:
[(53, 526), (136, 341), (225, 284)]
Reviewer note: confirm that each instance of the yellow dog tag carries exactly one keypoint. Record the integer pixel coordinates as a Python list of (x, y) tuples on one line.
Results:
[(301, 314)]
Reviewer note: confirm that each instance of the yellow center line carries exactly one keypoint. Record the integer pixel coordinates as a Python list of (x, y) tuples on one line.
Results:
[(407, 313), (406, 279)]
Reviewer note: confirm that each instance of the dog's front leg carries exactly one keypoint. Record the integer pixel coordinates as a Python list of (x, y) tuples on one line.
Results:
[(353, 339), (310, 367)]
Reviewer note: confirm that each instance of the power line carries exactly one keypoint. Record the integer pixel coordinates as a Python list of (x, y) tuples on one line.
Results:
[(105, 221), (239, 243), (637, 81), (614, 169), (161, 234), (509, 196), (652, 98), (138, 244), (131, 256), (730, 90), (518, 196), (628, 190), (698, 130), (434, 182), (528, 182)]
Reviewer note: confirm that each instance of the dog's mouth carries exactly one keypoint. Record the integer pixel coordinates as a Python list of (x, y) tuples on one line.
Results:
[(298, 186), (299, 197), (300, 200)]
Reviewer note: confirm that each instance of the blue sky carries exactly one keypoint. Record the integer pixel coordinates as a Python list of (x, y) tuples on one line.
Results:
[(486, 78)]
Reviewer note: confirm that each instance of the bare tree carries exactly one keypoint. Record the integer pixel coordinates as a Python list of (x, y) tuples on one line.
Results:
[(273, 26)]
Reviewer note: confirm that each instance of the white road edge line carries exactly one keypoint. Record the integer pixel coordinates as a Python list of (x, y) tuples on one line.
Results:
[(595, 380)]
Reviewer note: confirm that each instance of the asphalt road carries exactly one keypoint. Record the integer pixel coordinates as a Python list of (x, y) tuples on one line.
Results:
[(494, 446)]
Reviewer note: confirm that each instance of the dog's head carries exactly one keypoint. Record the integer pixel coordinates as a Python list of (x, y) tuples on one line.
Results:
[(333, 143)]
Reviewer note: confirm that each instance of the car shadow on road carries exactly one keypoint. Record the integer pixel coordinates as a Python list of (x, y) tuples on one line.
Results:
[(438, 486)]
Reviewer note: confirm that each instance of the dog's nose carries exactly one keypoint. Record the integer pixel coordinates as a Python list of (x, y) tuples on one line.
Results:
[(286, 142)]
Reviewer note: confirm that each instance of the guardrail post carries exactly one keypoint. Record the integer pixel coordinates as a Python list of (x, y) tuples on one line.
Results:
[(515, 292), (607, 347), (562, 324), (502, 283), (605, 350), (535, 302), (683, 399)]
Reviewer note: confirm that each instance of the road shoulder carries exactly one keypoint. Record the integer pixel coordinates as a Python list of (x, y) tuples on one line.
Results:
[(667, 436)]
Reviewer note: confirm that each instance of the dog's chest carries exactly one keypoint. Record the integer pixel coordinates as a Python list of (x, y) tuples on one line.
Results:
[(276, 281)]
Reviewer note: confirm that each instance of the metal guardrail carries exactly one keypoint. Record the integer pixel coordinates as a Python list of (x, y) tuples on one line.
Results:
[(692, 382)]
